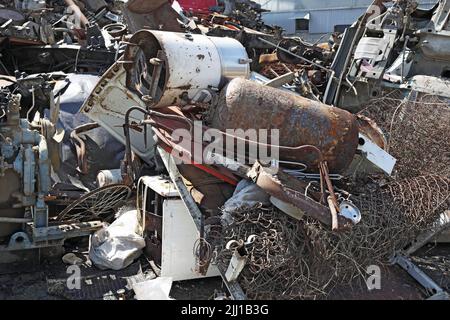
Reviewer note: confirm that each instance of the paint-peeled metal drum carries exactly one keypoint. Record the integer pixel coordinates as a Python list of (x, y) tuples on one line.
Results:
[(245, 104), (191, 63)]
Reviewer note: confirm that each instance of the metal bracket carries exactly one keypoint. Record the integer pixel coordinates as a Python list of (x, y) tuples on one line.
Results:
[(185, 195), (425, 281), (233, 287), (64, 231)]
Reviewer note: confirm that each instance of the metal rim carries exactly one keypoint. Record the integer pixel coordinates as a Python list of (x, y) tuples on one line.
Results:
[(96, 202)]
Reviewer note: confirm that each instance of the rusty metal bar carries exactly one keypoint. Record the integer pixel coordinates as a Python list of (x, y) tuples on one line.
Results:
[(14, 220), (288, 189), (80, 146)]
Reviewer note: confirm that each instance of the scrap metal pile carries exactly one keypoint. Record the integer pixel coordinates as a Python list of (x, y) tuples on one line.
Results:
[(298, 164)]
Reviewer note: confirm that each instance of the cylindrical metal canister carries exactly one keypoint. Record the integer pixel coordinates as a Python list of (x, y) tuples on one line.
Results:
[(187, 63), (106, 177), (245, 104)]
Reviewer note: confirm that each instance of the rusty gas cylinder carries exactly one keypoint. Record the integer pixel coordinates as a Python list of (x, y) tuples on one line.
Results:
[(245, 104)]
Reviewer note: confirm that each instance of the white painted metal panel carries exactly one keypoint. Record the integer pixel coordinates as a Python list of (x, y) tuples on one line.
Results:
[(107, 105), (160, 185), (178, 240)]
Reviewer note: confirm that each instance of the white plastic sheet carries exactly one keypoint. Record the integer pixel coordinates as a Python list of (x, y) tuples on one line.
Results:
[(155, 289), (247, 194)]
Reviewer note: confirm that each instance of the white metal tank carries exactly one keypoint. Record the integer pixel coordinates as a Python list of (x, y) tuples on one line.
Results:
[(183, 65)]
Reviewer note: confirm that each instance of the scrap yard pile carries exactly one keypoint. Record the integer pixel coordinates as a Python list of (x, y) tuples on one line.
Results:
[(189, 139)]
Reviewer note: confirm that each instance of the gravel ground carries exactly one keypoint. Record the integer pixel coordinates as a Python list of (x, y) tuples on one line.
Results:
[(396, 284)]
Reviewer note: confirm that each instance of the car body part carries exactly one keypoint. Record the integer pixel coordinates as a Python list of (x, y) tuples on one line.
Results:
[(25, 187), (107, 105), (388, 51)]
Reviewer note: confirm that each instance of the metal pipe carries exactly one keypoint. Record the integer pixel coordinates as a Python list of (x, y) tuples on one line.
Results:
[(14, 220), (126, 132)]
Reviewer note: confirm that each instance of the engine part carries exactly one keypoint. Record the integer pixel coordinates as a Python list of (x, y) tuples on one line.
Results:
[(24, 168), (174, 68), (389, 51), (246, 105), (116, 29)]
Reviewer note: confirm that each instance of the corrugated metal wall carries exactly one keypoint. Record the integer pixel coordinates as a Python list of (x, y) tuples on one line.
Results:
[(291, 5), (321, 21), (324, 14)]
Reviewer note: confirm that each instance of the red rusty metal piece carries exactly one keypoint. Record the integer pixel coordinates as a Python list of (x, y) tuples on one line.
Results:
[(244, 104), (370, 129), (163, 124), (197, 6), (278, 184), (151, 14)]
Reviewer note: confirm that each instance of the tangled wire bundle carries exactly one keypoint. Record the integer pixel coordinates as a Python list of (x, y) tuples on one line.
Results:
[(417, 131), (292, 259)]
